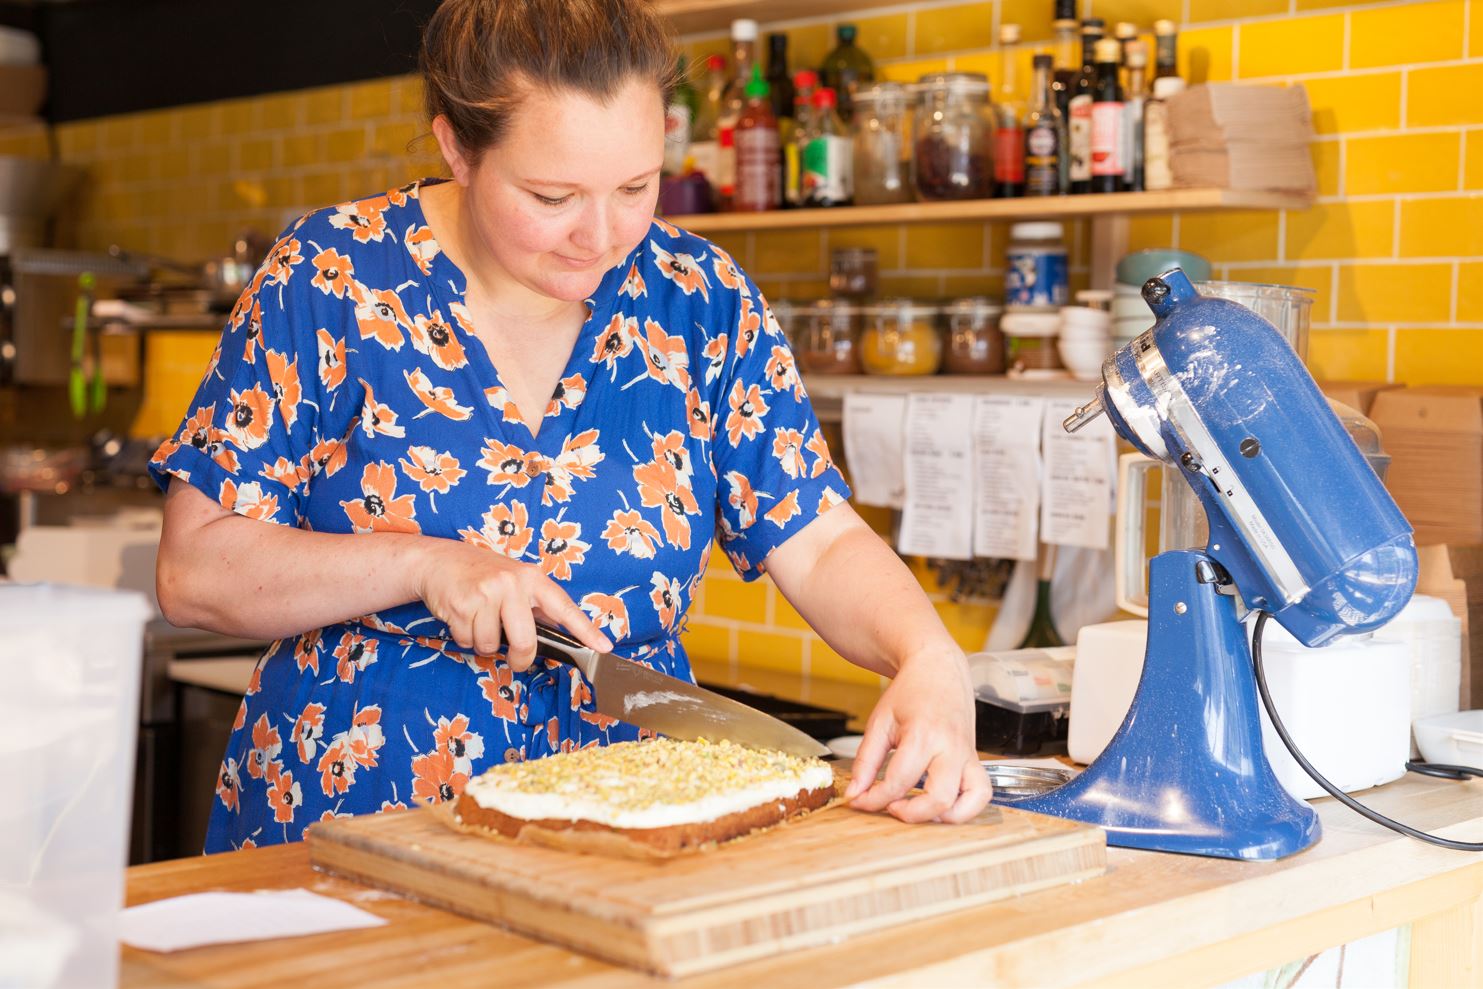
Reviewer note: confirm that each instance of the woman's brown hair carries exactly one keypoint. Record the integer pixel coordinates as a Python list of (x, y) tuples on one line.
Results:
[(480, 57)]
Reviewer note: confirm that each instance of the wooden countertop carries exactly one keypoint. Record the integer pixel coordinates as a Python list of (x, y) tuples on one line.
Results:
[(1152, 919)]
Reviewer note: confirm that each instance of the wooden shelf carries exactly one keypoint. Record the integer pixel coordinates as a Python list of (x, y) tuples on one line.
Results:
[(1047, 207), (827, 391)]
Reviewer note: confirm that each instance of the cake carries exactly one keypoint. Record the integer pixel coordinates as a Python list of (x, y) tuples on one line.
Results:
[(649, 799)]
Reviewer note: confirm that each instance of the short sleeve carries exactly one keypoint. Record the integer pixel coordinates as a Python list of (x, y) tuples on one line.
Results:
[(773, 465), (249, 436)]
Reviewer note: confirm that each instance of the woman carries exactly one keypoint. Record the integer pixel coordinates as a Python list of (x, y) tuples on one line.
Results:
[(471, 404)]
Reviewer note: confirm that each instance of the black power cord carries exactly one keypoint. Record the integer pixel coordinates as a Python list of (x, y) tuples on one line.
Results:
[(1334, 791)]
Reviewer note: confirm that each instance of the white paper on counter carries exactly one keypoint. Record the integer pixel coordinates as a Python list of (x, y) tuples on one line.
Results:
[(222, 918), (1006, 447), (874, 448), (937, 519), (1077, 497)]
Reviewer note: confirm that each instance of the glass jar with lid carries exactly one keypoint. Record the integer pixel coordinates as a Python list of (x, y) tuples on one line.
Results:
[(953, 136), (852, 273), (901, 337), (882, 165), (974, 343), (829, 341), (791, 320)]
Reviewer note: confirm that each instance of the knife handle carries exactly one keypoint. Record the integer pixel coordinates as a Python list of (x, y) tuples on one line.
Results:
[(552, 643)]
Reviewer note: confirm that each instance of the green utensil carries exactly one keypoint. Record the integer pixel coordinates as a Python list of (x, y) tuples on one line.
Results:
[(77, 386)]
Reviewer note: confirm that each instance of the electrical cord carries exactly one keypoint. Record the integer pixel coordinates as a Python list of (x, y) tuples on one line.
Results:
[(1334, 791)]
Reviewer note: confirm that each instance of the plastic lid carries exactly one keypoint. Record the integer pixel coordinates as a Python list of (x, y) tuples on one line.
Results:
[(1163, 28), (805, 78), (1109, 51), (1126, 29), (743, 29), (1037, 230), (1166, 86), (825, 98), (757, 87), (715, 63), (1009, 34), (1031, 323), (1135, 53)]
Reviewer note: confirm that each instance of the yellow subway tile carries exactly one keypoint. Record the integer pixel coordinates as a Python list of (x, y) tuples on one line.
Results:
[(76, 140), (1344, 104), (1228, 10), (1439, 356), (171, 166), (956, 28), (1439, 228), (118, 134), (770, 650), (1292, 45), (884, 239), (1326, 162), (1205, 54), (910, 71), (1376, 293), (157, 129), (280, 191), (279, 111), (370, 99), (1475, 28), (143, 167), (1140, 12), (321, 188), (1403, 34), (1470, 292), (255, 154), (737, 245), (911, 286), (967, 622), (1148, 230), (1033, 16), (784, 615), (1473, 168), (945, 245), (795, 289), (883, 37), (961, 286), (1339, 230), (347, 144), (1446, 95), (1319, 277), (826, 664), (707, 642), (238, 117), (323, 106), (1323, 4), (392, 140), (297, 150), (1401, 163), (1247, 235), (1348, 355), (788, 252), (736, 600), (196, 122), (988, 63), (807, 46), (212, 158)]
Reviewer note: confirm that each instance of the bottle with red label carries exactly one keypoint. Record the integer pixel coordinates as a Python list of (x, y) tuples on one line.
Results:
[(1009, 133), (759, 173), (1108, 120)]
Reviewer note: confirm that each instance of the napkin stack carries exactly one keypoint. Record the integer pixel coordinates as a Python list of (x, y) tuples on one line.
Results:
[(1237, 136)]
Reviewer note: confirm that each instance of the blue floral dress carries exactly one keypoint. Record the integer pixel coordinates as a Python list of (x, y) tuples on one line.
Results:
[(350, 395)]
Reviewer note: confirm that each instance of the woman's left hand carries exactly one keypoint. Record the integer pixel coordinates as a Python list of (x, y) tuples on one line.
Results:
[(926, 716)]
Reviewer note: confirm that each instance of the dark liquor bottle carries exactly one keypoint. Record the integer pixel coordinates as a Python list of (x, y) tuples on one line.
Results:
[(779, 82), (1079, 114), (1107, 120), (1166, 59), (1042, 631), (1065, 53), (846, 69), (1135, 97), (1045, 135)]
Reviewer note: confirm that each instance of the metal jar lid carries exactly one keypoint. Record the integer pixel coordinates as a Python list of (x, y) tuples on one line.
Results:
[(952, 84), (974, 306), (902, 308)]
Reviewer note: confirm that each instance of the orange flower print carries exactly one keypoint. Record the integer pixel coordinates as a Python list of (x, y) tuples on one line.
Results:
[(286, 473), (672, 449), (266, 744), (380, 315), (379, 509), (284, 374), (577, 460), (828, 500), (787, 446), (698, 415), (354, 653), (742, 498), (283, 794), (508, 464), (281, 260), (248, 499), (629, 532), (660, 486), (666, 596), (331, 360), (255, 682), (608, 612), (500, 399), (506, 530), (746, 327), (364, 738), (561, 549), (228, 787), (615, 342), (308, 731), (455, 738), (201, 434), (726, 272), (432, 335), (363, 218), (435, 473), (250, 418), (669, 228), (568, 395), (334, 273), (715, 357), (376, 417), (254, 331), (436, 779), (747, 409), (782, 374), (665, 356), (820, 449), (241, 718), (422, 247), (437, 398), (502, 692), (683, 270), (784, 511), (328, 456)]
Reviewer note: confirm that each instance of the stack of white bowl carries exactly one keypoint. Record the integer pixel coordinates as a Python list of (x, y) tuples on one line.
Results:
[(1085, 340), (1130, 314)]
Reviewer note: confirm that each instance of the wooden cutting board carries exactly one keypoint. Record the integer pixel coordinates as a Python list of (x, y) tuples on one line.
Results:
[(831, 875)]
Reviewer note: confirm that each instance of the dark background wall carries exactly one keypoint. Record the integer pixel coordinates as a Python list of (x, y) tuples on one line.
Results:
[(117, 56)]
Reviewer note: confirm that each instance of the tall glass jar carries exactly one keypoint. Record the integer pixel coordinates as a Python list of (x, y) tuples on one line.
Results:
[(953, 137), (974, 343), (882, 165)]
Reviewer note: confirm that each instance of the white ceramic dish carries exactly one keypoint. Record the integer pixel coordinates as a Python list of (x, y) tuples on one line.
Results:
[(1454, 739)]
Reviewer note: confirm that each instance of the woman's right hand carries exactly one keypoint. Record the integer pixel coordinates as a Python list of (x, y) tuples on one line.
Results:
[(485, 598)]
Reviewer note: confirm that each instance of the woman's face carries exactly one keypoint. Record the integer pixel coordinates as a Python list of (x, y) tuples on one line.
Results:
[(569, 190)]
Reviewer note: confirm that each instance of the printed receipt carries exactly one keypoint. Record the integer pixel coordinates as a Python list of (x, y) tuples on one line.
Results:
[(874, 441), (937, 519), (1079, 471), (1006, 446)]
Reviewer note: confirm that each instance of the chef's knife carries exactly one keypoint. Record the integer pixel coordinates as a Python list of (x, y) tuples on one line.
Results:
[(640, 696)]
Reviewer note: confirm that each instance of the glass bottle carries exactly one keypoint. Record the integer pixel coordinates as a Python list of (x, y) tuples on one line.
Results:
[(1125, 32), (846, 69), (705, 149), (679, 121), (1166, 59), (1134, 98), (1042, 631), (1009, 136), (1045, 135), (1107, 120), (804, 84), (743, 50), (882, 173), (779, 82), (1079, 115), (758, 171), (1066, 66), (828, 157)]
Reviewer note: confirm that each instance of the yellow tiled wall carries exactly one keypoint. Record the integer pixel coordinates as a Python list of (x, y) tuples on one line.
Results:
[(1394, 245)]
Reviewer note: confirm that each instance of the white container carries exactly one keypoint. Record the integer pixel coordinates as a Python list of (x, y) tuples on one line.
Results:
[(1454, 739), (1108, 665), (1433, 636), (69, 696)]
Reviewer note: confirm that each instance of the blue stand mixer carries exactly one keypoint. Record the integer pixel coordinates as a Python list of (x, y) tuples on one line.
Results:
[(1300, 528)]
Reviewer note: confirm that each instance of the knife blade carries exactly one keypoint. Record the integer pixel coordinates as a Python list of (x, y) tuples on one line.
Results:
[(640, 696)]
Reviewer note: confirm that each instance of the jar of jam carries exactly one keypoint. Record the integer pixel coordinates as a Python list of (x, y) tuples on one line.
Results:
[(830, 338), (852, 273), (974, 343), (882, 164), (901, 338), (953, 137)]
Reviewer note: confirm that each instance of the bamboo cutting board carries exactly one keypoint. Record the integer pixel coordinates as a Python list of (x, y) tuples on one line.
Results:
[(831, 875)]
